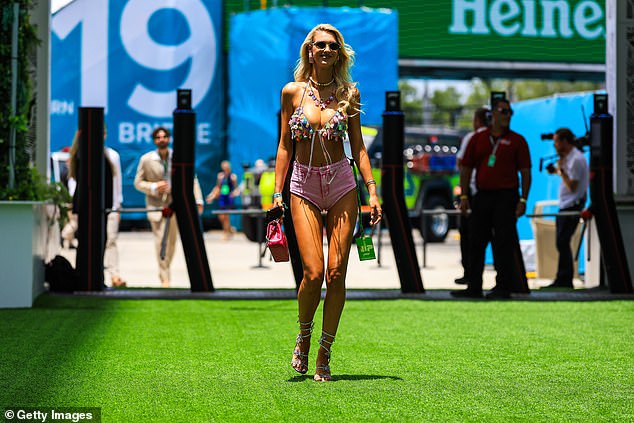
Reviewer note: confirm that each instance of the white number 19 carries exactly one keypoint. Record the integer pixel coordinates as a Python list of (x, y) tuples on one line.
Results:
[(199, 49)]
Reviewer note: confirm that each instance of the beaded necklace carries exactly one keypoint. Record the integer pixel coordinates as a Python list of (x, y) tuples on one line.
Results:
[(318, 101)]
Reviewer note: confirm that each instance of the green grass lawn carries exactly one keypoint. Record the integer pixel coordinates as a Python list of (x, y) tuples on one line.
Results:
[(403, 360)]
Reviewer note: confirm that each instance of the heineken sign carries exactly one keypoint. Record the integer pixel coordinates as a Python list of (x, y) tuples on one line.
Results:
[(511, 17), (562, 31)]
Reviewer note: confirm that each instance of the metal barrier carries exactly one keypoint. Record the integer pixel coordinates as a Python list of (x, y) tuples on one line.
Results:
[(260, 214), (568, 213), (431, 212), (134, 210)]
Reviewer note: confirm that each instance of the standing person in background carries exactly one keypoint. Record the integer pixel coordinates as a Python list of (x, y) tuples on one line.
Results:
[(153, 178), (111, 255), (319, 110), (113, 197), (497, 154), (70, 228), (572, 166), (225, 191), (480, 123)]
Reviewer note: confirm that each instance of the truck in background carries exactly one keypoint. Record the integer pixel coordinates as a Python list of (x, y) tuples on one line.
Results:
[(430, 176)]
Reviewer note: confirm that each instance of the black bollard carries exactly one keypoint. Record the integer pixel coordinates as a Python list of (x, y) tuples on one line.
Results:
[(289, 230), (602, 198), (183, 201), (393, 196), (91, 225)]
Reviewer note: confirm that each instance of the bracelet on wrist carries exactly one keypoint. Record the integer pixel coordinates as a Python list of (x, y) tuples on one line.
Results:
[(370, 182), (277, 195)]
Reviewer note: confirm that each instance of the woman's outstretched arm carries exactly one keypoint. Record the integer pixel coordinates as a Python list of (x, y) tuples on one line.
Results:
[(285, 147)]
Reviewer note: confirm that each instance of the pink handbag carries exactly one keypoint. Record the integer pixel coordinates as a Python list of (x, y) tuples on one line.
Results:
[(276, 241)]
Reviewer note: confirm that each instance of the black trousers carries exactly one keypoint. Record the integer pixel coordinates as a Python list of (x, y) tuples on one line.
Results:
[(493, 220), (566, 227), (464, 229)]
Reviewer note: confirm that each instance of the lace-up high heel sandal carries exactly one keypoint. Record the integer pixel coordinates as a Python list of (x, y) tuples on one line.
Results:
[(300, 359), (322, 372)]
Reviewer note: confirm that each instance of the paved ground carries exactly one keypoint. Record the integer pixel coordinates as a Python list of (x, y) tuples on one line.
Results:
[(235, 264)]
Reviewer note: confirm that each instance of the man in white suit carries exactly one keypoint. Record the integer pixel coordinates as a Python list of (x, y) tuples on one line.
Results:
[(153, 177)]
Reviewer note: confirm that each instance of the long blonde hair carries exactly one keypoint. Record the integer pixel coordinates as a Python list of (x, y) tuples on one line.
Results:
[(72, 160), (345, 87)]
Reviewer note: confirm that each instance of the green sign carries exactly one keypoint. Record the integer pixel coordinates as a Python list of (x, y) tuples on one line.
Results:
[(565, 31)]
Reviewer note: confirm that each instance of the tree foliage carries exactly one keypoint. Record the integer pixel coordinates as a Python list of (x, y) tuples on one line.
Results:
[(449, 110), (411, 103), (446, 106), (28, 183)]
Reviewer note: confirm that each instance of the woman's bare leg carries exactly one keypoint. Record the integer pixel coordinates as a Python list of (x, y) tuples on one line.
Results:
[(226, 225), (340, 224), (309, 232)]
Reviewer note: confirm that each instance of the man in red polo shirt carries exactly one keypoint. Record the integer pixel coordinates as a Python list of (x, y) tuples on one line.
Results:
[(497, 154)]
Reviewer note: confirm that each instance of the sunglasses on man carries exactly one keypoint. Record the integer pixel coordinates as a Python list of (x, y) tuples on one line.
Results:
[(321, 45), (505, 111)]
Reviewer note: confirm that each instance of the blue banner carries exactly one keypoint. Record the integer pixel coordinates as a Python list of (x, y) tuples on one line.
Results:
[(130, 57)]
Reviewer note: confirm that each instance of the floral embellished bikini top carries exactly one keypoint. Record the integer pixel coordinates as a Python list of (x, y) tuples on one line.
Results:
[(301, 130)]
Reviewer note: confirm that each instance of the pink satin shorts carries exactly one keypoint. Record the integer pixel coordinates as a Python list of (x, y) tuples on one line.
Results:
[(323, 186)]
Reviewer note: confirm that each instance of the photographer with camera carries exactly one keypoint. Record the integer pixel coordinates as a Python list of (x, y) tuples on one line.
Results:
[(573, 169)]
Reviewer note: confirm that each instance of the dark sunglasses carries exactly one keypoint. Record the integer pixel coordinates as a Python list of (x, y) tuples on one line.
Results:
[(321, 45), (505, 111)]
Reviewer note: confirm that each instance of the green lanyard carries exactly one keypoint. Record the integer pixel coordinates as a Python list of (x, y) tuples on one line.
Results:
[(365, 248)]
